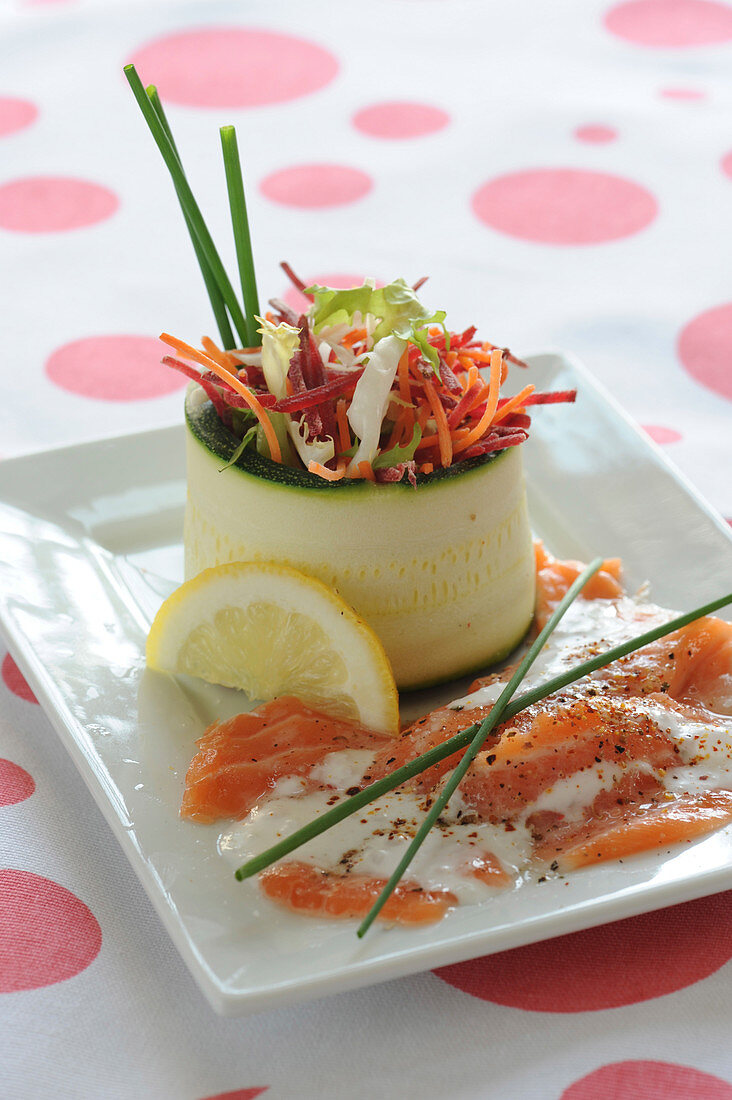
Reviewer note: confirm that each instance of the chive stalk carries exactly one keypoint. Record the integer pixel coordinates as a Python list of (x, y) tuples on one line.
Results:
[(461, 740), (485, 728), (215, 297), (188, 202), (240, 225)]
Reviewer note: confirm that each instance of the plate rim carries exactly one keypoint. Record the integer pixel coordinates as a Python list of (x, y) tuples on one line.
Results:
[(646, 897)]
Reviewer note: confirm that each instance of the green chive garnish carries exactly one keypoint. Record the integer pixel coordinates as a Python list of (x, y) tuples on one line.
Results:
[(484, 729), (188, 202), (461, 740), (240, 225), (214, 294)]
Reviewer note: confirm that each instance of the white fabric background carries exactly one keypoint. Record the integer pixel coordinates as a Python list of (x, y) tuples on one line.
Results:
[(517, 80)]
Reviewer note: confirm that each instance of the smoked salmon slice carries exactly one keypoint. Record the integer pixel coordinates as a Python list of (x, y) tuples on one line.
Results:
[(686, 818), (318, 893), (573, 780), (554, 576), (692, 665), (488, 868), (422, 735), (239, 761), (543, 746)]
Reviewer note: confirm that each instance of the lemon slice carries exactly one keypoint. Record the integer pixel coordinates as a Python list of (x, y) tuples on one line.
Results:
[(270, 630)]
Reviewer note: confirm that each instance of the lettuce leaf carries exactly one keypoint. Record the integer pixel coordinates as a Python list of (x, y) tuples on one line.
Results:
[(251, 434), (399, 453), (318, 450), (278, 346), (371, 396), (398, 309)]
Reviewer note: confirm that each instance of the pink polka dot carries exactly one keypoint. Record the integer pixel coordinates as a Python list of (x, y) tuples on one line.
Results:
[(16, 114), (234, 67), (660, 434), (316, 186), (15, 783), (46, 933), (400, 120), (52, 204), (15, 681), (299, 302), (564, 206), (596, 135), (682, 94), (705, 349), (651, 1080), (727, 165), (616, 964), (238, 1094), (114, 368), (671, 23)]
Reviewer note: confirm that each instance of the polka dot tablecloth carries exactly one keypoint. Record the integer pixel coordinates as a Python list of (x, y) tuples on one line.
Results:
[(563, 173)]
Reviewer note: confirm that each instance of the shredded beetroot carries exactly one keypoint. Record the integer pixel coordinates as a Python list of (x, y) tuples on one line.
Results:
[(308, 399), (283, 311), (396, 473), (463, 405), (294, 279), (212, 393), (518, 420), (465, 337), (448, 379), (495, 442), (550, 398), (430, 392)]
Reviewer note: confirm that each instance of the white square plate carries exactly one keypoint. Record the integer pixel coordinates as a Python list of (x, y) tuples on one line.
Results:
[(87, 535)]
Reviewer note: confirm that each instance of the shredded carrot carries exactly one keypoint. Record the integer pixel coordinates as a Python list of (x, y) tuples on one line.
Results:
[(223, 358), (364, 468), (443, 432), (477, 355), (186, 350), (513, 403), (482, 395), (235, 383), (403, 373), (397, 430), (324, 472), (423, 415), (354, 336), (426, 468), (434, 440), (344, 435), (486, 419)]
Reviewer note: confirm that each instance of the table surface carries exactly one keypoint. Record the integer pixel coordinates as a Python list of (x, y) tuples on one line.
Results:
[(563, 173)]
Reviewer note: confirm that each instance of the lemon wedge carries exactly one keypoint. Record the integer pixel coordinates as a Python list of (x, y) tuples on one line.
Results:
[(270, 630)]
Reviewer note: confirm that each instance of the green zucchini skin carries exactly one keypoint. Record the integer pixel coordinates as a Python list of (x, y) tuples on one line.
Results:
[(204, 423)]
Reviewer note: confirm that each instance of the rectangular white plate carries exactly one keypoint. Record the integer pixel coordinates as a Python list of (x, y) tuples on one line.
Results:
[(87, 535)]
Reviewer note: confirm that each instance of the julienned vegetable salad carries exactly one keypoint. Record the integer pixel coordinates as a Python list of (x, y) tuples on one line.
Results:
[(368, 383)]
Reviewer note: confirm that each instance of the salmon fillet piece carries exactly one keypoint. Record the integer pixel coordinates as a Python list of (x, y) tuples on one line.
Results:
[(692, 665), (544, 745), (488, 868), (658, 826), (240, 760), (554, 577), (424, 734), (612, 723), (318, 893)]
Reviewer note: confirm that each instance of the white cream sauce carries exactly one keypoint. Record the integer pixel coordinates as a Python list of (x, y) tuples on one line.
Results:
[(372, 841)]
